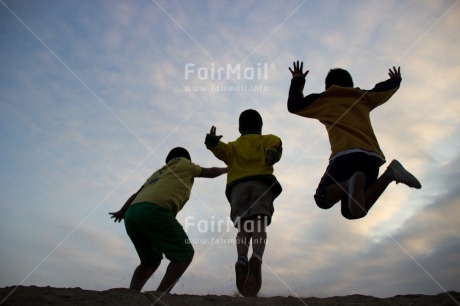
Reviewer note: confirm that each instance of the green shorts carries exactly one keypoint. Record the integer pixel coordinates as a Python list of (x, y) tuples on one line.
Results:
[(155, 231)]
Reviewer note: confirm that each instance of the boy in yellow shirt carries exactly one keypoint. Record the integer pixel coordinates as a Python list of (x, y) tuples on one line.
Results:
[(150, 219), (352, 174), (251, 189)]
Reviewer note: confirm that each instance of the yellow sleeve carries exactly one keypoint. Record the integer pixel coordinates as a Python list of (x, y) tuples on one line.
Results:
[(378, 98), (220, 149), (273, 146), (195, 169)]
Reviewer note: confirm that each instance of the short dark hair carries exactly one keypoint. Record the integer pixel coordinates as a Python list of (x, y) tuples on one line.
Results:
[(178, 152), (250, 120), (338, 76)]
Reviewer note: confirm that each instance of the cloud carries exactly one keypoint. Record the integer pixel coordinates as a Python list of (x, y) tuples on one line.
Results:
[(75, 149)]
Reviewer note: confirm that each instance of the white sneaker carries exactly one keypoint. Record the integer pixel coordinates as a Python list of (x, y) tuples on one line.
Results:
[(401, 175)]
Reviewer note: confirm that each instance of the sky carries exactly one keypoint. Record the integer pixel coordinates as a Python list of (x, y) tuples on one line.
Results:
[(94, 94)]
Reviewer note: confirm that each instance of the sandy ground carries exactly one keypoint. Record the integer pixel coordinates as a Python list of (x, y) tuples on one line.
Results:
[(32, 295)]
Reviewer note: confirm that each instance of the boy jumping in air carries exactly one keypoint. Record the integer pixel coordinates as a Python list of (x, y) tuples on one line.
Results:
[(251, 190), (352, 174)]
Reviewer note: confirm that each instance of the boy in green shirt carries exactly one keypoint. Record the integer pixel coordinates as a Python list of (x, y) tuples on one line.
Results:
[(150, 219)]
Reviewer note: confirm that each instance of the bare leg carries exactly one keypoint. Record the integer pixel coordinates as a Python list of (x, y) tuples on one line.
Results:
[(394, 173), (172, 275), (353, 188), (242, 241), (259, 236), (241, 266), (141, 275), (334, 193), (377, 189)]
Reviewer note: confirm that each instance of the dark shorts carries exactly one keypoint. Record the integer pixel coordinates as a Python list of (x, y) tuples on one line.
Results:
[(249, 200), (341, 169), (155, 231)]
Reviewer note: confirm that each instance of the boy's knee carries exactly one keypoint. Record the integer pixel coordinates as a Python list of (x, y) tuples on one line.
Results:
[(182, 262), (154, 264), (351, 216), (319, 200), (188, 261), (261, 219)]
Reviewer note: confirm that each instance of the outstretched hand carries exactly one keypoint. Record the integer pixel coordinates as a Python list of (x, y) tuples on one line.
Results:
[(118, 216), (213, 132), (395, 73), (297, 72)]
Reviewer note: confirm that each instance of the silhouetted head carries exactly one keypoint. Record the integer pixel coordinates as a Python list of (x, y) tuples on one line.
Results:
[(178, 152), (340, 77), (250, 120)]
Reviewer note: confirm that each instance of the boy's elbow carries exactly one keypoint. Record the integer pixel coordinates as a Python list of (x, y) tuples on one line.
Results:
[(272, 156), (291, 106), (294, 105), (291, 109)]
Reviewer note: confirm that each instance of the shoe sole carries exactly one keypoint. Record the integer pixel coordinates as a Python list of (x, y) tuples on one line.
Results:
[(254, 279), (241, 272), (403, 176)]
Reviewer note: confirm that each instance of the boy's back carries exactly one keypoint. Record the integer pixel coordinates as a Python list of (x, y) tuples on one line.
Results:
[(245, 156), (171, 185), (246, 159), (344, 111)]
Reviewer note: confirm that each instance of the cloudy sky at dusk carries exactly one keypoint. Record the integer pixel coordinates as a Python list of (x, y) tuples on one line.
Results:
[(94, 94)]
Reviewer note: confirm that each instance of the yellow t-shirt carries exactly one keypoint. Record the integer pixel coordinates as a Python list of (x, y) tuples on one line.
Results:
[(245, 158), (345, 112), (171, 185)]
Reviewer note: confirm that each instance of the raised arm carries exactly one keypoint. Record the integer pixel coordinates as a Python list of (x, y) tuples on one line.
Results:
[(383, 91), (393, 82), (217, 147), (296, 100)]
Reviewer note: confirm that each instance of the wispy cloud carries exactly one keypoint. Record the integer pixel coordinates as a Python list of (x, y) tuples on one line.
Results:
[(74, 150)]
